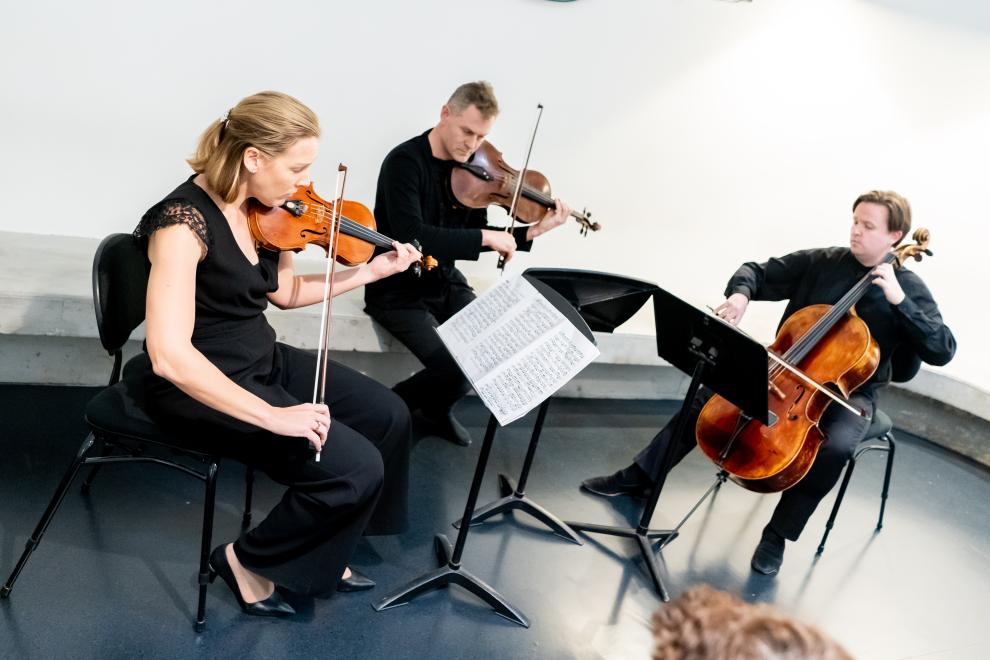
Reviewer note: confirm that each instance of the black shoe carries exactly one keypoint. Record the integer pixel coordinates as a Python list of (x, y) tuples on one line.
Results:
[(769, 554), (447, 427), (274, 605), (631, 481), (357, 582)]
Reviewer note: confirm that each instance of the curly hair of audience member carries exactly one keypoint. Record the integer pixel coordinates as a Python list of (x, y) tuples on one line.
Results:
[(705, 624)]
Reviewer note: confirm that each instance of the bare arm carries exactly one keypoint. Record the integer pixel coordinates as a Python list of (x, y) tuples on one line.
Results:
[(174, 253), (302, 290)]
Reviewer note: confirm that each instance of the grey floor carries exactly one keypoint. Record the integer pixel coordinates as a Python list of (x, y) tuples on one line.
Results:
[(115, 575)]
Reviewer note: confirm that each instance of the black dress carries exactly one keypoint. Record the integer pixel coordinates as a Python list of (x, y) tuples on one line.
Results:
[(360, 485)]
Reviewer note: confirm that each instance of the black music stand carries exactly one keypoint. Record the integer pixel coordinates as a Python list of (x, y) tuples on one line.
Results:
[(605, 301), (717, 355), (449, 558)]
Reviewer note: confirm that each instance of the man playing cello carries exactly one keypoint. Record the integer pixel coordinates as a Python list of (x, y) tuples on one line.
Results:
[(900, 314)]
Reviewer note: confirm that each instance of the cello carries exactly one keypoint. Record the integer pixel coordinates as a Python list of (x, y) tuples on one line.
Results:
[(816, 346)]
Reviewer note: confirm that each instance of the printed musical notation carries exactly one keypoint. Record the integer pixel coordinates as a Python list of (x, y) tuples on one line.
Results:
[(515, 347)]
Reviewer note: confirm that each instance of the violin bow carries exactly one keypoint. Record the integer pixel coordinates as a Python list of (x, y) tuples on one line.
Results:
[(323, 344), (519, 183)]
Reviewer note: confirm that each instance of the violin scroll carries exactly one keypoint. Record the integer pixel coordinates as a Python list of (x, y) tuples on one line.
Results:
[(584, 219), (426, 263)]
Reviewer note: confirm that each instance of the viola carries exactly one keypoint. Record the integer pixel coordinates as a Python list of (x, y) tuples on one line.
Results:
[(815, 345), (486, 179), (307, 218)]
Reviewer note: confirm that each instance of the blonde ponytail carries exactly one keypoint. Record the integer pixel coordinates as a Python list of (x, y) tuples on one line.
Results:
[(271, 122)]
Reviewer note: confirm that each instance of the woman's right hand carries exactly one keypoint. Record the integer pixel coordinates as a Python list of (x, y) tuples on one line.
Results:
[(306, 420)]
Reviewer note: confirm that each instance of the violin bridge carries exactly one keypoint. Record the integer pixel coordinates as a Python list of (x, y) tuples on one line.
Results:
[(776, 391)]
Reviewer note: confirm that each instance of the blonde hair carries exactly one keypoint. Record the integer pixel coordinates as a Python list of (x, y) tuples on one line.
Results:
[(479, 94), (271, 122)]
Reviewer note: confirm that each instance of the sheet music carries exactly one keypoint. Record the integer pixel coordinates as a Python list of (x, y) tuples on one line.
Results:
[(515, 347)]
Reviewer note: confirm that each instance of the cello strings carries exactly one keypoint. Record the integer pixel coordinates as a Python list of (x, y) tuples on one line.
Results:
[(810, 339)]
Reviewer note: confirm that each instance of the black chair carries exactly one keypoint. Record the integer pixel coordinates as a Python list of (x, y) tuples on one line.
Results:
[(879, 437), (120, 431)]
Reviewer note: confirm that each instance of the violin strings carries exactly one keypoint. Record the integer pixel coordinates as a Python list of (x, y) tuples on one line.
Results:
[(534, 194), (359, 230)]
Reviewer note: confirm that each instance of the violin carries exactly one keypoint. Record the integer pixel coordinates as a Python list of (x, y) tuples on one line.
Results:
[(306, 218), (815, 345), (486, 179)]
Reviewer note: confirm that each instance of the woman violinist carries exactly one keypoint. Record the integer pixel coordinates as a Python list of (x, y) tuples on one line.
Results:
[(215, 371), (900, 314)]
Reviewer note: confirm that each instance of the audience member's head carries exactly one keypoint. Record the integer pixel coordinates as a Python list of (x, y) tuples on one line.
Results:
[(705, 624)]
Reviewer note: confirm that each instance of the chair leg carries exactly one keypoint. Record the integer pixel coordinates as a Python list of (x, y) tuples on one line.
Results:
[(886, 478), (204, 553), (850, 466), (248, 496), (87, 484), (46, 518)]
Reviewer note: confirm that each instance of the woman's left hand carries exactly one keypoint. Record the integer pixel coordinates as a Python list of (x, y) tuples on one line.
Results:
[(398, 260)]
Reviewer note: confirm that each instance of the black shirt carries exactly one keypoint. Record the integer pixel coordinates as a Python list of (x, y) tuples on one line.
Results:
[(823, 276), (413, 201), (231, 293)]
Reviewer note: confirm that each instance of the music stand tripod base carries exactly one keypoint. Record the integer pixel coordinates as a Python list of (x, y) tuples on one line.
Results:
[(716, 355), (514, 497), (449, 558), (445, 576)]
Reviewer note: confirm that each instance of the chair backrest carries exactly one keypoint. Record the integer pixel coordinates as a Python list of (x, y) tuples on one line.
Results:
[(120, 284)]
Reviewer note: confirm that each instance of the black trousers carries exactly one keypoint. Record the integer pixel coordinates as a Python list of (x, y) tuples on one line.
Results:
[(440, 384), (359, 486), (842, 430)]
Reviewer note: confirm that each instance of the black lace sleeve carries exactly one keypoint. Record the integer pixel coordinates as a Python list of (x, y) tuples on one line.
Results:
[(174, 212)]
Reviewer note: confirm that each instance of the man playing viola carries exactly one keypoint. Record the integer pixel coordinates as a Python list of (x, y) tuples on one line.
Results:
[(902, 318), (413, 202)]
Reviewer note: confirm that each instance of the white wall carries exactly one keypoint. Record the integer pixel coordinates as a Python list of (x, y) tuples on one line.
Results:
[(700, 133)]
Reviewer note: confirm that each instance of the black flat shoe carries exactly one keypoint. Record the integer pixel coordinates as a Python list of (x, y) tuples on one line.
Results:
[(357, 582), (769, 554), (274, 605), (613, 485)]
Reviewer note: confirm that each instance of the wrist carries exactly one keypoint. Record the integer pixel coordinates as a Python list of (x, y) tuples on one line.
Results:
[(490, 238), (264, 415)]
